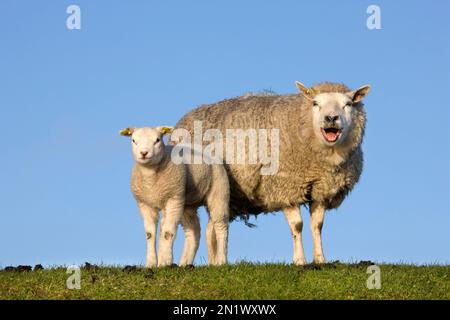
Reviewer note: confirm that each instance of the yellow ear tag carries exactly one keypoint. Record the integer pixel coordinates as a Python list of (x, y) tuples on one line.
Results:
[(126, 132), (314, 91), (166, 130)]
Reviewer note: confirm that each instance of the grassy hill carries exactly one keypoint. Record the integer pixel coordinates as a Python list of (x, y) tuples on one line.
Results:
[(238, 281)]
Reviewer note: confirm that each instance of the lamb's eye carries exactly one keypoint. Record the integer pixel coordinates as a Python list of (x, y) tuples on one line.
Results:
[(348, 104), (315, 104), (134, 141), (157, 140)]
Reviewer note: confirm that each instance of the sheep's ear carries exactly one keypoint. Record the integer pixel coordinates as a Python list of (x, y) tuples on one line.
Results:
[(360, 93), (127, 132), (164, 129), (308, 93)]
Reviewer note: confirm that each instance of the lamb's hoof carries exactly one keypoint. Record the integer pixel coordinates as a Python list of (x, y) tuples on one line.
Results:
[(300, 262)]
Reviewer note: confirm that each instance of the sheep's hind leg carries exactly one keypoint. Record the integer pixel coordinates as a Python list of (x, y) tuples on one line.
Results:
[(219, 217), (211, 242), (294, 219), (191, 227), (221, 232), (317, 218), (150, 216)]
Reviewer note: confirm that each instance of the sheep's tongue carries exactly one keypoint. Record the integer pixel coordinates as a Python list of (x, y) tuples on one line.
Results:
[(331, 136)]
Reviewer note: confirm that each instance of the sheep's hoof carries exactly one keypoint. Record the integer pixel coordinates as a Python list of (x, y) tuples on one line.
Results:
[(319, 259)]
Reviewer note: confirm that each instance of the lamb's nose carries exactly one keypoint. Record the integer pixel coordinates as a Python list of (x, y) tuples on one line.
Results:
[(331, 119), (144, 153)]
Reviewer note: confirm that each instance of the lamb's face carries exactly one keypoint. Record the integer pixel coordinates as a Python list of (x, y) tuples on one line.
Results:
[(147, 143)]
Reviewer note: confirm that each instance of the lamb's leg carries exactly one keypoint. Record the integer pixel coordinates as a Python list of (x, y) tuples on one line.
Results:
[(150, 216), (191, 227), (317, 217), (294, 219), (211, 242), (172, 217)]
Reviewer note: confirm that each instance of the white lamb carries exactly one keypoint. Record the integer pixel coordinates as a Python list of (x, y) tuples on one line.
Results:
[(177, 190)]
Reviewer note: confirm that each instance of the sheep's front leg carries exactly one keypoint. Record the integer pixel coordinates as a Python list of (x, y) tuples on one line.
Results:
[(150, 216), (294, 219), (172, 217), (317, 218), (191, 227)]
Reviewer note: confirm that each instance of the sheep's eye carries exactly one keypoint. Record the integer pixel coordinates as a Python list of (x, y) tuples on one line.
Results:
[(158, 140), (315, 104), (348, 104), (134, 141)]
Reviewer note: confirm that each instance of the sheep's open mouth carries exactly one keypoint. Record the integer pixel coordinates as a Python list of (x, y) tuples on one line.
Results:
[(331, 134)]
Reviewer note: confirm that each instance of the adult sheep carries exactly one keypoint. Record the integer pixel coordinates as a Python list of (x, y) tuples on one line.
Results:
[(320, 157)]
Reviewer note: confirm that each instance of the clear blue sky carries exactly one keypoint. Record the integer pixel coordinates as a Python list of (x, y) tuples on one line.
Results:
[(64, 94)]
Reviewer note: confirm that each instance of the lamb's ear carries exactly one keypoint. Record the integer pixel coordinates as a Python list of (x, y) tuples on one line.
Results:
[(360, 93), (127, 132), (307, 92), (164, 129)]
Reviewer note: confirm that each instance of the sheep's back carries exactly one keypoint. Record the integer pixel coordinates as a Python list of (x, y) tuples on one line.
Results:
[(254, 112)]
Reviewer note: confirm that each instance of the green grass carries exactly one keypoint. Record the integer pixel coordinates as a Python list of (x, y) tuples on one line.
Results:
[(238, 281)]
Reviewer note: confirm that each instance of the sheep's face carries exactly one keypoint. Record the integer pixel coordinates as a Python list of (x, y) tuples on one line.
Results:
[(332, 117), (333, 113), (147, 144)]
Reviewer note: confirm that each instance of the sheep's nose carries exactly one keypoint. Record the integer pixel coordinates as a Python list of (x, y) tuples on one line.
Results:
[(144, 153), (331, 119)]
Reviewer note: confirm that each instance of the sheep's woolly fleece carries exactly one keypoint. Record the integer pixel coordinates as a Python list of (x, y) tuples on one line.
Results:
[(305, 173)]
